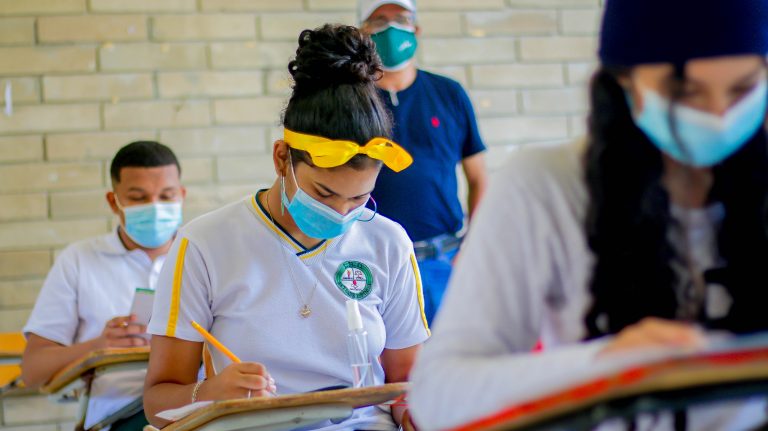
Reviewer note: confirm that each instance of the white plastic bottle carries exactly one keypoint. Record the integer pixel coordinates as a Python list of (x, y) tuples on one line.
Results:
[(357, 346)]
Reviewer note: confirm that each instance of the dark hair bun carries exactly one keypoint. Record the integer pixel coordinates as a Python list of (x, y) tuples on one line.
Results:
[(332, 55)]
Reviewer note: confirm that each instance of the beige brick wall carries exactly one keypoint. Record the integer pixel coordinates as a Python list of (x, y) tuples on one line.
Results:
[(208, 78)]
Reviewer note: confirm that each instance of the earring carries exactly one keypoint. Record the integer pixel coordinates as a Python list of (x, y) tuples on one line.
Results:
[(375, 209), (282, 193)]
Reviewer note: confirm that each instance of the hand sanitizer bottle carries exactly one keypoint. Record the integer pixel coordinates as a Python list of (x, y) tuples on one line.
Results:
[(357, 346)]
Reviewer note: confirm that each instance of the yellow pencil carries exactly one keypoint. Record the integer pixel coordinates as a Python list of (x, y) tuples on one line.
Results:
[(208, 337)]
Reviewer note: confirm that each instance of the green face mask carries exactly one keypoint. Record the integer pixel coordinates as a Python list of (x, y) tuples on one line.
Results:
[(396, 46)]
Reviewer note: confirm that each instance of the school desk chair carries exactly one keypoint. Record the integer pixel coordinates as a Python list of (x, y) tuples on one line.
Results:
[(73, 383), (10, 379), (285, 412), (733, 370), (12, 346)]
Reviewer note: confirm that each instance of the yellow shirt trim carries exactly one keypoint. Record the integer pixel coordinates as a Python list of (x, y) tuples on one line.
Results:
[(272, 226), (285, 237), (419, 293), (316, 251), (173, 314)]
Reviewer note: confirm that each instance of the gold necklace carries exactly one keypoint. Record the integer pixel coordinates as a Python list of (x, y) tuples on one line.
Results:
[(304, 311)]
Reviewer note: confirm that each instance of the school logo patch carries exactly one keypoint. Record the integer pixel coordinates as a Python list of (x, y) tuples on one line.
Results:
[(354, 279)]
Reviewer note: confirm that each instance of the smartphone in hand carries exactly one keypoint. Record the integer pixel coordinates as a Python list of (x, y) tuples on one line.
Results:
[(143, 300)]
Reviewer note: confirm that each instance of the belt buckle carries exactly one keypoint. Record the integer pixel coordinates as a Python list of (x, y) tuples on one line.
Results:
[(435, 247), (448, 243), (425, 250)]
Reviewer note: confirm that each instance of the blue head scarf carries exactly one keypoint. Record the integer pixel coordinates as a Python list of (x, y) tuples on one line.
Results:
[(674, 31)]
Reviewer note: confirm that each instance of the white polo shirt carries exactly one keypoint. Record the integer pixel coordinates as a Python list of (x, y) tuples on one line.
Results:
[(91, 282), (233, 272)]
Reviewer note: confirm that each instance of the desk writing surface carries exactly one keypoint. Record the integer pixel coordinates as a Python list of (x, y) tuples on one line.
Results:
[(93, 360), (12, 344), (702, 371), (360, 397)]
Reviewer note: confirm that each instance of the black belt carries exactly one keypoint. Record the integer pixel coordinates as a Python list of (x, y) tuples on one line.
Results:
[(435, 247)]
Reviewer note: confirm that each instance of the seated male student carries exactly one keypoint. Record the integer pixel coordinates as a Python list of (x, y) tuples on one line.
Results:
[(86, 299)]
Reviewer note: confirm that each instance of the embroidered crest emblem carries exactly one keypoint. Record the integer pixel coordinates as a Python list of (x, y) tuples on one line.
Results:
[(354, 279)]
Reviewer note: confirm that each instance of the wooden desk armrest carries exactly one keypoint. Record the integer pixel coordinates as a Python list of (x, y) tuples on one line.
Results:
[(361, 397), (93, 360)]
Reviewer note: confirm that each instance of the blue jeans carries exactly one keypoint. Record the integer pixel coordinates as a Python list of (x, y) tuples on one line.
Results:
[(434, 279)]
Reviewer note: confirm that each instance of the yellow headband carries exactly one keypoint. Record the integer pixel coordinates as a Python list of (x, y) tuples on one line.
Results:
[(328, 153)]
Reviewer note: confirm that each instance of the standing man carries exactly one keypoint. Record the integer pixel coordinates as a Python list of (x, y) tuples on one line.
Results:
[(86, 299), (435, 122)]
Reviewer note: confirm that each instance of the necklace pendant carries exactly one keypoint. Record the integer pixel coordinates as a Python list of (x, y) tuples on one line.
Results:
[(305, 311)]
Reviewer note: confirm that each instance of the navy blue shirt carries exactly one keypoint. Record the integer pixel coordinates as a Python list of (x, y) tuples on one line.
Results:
[(435, 122)]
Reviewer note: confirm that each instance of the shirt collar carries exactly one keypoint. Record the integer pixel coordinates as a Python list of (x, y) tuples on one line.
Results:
[(111, 243)]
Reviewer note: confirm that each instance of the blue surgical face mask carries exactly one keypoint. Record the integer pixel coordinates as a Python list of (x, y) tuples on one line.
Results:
[(396, 45), (314, 218), (704, 139), (152, 225)]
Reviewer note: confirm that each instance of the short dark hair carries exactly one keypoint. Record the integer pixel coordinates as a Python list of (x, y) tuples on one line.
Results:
[(142, 154)]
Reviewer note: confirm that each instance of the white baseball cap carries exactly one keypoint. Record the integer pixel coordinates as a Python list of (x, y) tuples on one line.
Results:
[(366, 7)]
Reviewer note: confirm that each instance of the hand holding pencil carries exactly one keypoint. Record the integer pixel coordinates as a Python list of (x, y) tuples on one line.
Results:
[(238, 380)]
